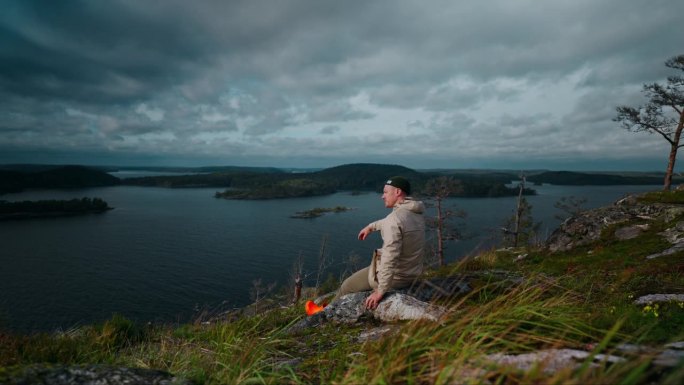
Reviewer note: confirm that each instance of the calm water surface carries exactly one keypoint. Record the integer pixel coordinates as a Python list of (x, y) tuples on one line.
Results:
[(161, 253)]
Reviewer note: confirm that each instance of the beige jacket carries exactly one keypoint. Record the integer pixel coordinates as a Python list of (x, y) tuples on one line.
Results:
[(400, 260)]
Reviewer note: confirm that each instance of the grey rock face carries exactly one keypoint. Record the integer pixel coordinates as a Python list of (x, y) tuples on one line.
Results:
[(629, 232), (91, 375), (670, 355), (587, 226), (402, 307), (659, 298), (554, 360), (551, 360), (349, 308), (674, 235)]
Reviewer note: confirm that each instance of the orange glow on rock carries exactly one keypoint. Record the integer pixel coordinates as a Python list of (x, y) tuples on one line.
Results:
[(311, 308)]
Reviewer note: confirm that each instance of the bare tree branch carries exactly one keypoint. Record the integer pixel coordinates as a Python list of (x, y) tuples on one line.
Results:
[(652, 118)]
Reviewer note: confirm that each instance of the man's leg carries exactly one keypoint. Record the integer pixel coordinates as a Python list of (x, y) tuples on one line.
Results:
[(355, 283)]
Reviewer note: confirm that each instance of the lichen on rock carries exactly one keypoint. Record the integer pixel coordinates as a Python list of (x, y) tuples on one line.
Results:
[(587, 226), (88, 375)]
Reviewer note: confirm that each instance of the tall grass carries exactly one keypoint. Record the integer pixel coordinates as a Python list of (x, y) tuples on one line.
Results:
[(538, 313), (535, 315), (523, 319), (248, 350)]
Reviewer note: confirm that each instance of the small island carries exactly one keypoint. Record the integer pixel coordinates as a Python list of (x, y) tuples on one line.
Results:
[(51, 208), (318, 211)]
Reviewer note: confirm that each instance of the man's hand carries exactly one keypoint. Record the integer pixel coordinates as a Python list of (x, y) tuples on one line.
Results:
[(373, 300), (364, 232)]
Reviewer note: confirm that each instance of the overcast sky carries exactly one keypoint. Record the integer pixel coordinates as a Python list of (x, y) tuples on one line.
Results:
[(452, 84)]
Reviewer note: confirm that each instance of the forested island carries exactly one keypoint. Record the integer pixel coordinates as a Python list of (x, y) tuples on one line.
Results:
[(51, 208), (318, 211), (289, 188)]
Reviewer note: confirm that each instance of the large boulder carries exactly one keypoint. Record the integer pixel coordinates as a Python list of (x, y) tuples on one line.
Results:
[(394, 307), (400, 305)]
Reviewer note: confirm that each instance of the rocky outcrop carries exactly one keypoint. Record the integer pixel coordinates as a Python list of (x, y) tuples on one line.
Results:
[(674, 235), (586, 227), (551, 360), (629, 232), (659, 298), (88, 375)]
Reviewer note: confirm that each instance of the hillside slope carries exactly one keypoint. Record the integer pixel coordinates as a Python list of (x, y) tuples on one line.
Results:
[(584, 314)]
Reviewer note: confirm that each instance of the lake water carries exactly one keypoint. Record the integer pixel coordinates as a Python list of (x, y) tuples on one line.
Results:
[(162, 253)]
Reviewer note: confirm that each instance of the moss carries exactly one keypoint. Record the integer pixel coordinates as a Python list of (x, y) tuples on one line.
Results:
[(673, 196)]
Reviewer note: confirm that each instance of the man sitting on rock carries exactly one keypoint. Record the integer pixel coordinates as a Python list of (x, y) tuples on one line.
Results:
[(400, 260)]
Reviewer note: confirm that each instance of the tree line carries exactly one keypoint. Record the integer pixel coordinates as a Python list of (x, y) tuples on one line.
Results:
[(351, 177), (12, 181), (20, 209)]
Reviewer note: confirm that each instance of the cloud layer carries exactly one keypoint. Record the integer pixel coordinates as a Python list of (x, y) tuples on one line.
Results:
[(311, 83)]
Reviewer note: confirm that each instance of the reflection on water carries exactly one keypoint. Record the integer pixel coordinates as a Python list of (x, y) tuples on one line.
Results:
[(162, 252)]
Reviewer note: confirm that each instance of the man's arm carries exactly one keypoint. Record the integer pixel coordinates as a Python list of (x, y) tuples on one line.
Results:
[(368, 229), (364, 232)]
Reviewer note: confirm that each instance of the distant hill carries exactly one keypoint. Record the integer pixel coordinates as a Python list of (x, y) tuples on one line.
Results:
[(359, 176), (355, 177), (58, 177), (579, 179), (193, 170), (366, 176)]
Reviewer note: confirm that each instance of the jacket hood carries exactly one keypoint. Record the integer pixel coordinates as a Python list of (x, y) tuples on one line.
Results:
[(409, 204)]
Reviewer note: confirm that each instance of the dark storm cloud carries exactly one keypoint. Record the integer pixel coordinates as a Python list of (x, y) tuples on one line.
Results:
[(93, 52), (176, 77), (127, 50)]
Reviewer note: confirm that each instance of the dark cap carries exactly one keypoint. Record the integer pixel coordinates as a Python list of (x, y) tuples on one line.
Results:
[(401, 183)]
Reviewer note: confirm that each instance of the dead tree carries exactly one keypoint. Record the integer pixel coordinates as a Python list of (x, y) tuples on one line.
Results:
[(519, 210), (435, 192), (520, 227), (323, 262), (297, 278)]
